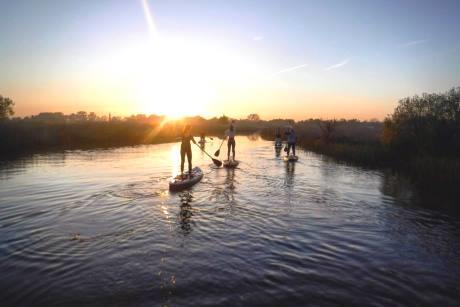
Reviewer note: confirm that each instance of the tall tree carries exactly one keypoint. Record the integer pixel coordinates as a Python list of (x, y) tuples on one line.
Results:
[(82, 116), (426, 124), (6, 107), (328, 128), (254, 117)]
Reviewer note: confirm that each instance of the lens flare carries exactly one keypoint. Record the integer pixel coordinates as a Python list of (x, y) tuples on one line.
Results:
[(149, 19)]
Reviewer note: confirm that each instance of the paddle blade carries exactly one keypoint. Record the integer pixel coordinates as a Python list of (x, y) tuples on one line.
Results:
[(217, 153), (217, 162)]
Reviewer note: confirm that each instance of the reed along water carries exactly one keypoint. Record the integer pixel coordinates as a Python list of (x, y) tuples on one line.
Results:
[(99, 227)]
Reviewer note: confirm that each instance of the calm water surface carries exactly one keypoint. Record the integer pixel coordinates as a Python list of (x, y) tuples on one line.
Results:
[(101, 228)]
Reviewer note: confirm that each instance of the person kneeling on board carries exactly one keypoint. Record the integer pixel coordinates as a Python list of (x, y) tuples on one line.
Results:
[(186, 149), (291, 140), (230, 133)]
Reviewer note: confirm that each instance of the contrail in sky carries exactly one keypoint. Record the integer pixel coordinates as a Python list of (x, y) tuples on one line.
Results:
[(149, 18), (413, 43), (335, 66), (289, 69)]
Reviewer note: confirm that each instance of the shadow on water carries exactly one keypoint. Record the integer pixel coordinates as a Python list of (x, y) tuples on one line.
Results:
[(406, 193), (186, 212), (230, 186), (277, 152), (12, 166), (397, 187), (290, 174), (289, 183)]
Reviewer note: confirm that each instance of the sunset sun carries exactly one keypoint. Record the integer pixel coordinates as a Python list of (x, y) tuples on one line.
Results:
[(172, 82), (171, 79)]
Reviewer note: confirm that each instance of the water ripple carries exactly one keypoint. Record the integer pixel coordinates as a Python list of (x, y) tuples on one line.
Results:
[(100, 227)]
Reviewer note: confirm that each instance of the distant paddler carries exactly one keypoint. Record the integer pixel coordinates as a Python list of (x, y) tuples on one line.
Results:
[(278, 141), (230, 134), (291, 140), (202, 139)]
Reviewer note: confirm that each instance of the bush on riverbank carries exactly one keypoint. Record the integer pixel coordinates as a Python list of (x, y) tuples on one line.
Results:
[(427, 125)]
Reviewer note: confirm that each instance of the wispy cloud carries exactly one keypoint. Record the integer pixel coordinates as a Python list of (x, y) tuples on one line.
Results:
[(412, 43), (257, 38), (290, 69), (338, 65)]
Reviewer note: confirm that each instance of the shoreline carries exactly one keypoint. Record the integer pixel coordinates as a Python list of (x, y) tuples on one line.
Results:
[(430, 175)]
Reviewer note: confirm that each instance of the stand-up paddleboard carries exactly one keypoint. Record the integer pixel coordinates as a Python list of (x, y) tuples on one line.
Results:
[(180, 183), (290, 158), (231, 163)]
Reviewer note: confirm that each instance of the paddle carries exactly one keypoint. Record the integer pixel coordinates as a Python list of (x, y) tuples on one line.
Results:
[(215, 161), (217, 153)]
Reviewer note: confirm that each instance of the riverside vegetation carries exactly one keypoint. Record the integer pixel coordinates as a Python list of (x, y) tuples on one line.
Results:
[(421, 137)]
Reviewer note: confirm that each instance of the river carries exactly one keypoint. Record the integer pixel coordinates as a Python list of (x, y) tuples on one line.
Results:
[(99, 227)]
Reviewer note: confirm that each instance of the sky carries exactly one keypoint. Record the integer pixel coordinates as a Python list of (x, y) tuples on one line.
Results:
[(280, 59)]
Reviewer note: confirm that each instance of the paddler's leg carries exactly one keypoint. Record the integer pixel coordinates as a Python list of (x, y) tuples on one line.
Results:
[(229, 145), (189, 160), (289, 149), (233, 149), (293, 149), (182, 160)]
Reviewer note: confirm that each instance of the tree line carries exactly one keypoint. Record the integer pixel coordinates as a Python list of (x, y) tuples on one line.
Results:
[(57, 131), (422, 134)]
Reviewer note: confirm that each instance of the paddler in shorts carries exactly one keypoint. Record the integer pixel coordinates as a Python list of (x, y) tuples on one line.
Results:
[(291, 140), (230, 134), (186, 149)]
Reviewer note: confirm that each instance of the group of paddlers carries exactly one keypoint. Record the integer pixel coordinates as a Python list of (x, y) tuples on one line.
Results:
[(291, 138), (230, 133)]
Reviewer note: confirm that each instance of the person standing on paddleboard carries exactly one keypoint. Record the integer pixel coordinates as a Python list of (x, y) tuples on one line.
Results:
[(291, 140), (230, 134), (278, 136), (186, 149), (202, 137)]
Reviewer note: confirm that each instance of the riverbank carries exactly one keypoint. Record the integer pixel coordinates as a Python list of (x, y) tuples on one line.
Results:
[(19, 137), (429, 174), (433, 173)]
